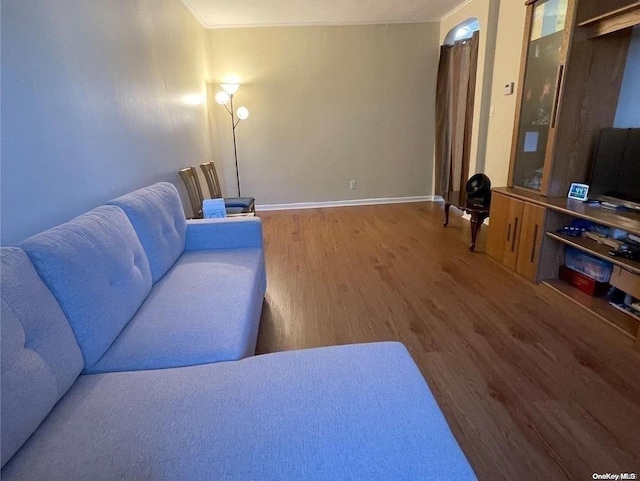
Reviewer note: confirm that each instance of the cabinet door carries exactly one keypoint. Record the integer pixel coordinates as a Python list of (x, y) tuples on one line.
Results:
[(512, 239), (531, 234), (541, 85), (498, 220)]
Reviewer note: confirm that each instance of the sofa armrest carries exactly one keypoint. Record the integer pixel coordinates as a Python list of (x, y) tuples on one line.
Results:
[(228, 233)]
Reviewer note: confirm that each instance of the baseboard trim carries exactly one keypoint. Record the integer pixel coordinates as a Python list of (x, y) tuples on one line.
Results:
[(348, 203)]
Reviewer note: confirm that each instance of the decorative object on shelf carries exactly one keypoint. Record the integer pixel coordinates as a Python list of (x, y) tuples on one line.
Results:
[(571, 231), (225, 98)]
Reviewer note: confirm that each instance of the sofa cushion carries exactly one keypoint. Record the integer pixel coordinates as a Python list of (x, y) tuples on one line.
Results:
[(205, 309), (96, 268), (157, 216), (348, 412), (40, 357)]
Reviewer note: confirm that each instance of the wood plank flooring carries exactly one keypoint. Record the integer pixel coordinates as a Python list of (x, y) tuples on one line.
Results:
[(532, 387)]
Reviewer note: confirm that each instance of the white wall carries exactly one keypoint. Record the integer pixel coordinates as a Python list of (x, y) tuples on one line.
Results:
[(328, 105), (628, 114), (93, 104)]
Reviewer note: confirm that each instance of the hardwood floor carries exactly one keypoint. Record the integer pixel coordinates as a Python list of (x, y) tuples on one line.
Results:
[(532, 387)]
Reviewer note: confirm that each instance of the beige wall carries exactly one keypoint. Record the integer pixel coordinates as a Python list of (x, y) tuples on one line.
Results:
[(97, 100), (506, 69), (328, 105)]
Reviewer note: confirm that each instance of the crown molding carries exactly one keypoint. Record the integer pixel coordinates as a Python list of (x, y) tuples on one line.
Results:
[(192, 11), (456, 10)]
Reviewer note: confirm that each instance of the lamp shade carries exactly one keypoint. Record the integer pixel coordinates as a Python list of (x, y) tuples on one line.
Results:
[(222, 98), (243, 113), (230, 89)]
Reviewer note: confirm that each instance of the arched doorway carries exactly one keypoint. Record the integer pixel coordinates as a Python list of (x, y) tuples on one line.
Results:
[(455, 97)]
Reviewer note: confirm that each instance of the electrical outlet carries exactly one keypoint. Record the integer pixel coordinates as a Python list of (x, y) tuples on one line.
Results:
[(352, 185)]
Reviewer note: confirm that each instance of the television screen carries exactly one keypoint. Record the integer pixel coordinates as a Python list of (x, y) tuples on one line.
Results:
[(616, 167)]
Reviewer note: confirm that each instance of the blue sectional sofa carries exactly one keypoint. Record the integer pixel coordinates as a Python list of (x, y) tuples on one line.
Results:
[(127, 342)]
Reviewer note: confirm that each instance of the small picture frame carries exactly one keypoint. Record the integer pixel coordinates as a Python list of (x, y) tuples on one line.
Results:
[(214, 209), (578, 192)]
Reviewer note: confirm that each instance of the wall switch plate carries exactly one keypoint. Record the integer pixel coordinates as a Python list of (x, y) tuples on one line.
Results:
[(352, 185), (508, 88)]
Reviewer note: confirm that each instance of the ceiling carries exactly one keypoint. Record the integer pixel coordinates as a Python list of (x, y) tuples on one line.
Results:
[(264, 13)]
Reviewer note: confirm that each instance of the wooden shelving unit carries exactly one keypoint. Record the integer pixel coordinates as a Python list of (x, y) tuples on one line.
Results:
[(588, 63)]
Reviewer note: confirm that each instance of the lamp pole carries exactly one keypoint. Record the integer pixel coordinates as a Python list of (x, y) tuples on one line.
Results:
[(234, 124), (225, 98)]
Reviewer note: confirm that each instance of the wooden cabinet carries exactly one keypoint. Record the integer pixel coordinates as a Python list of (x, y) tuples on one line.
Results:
[(515, 234), (568, 91)]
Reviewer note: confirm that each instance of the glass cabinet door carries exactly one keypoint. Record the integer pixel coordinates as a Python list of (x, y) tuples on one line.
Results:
[(542, 78)]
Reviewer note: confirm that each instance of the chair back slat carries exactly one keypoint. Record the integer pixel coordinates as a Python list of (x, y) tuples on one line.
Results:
[(211, 176), (190, 178)]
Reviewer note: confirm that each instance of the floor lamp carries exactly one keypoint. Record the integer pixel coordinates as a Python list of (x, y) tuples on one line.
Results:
[(225, 98)]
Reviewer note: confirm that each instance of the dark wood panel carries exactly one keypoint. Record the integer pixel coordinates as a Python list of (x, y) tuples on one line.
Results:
[(532, 386), (592, 81)]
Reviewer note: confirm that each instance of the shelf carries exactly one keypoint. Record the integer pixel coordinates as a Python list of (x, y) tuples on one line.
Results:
[(627, 221), (610, 22), (624, 322), (598, 250), (609, 15)]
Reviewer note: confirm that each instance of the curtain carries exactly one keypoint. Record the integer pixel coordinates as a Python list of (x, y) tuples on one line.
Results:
[(454, 114)]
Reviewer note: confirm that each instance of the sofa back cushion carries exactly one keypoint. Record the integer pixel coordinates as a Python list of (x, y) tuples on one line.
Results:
[(96, 268), (157, 215), (40, 356)]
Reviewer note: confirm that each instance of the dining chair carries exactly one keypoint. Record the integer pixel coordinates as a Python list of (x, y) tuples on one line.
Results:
[(190, 178), (247, 204)]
